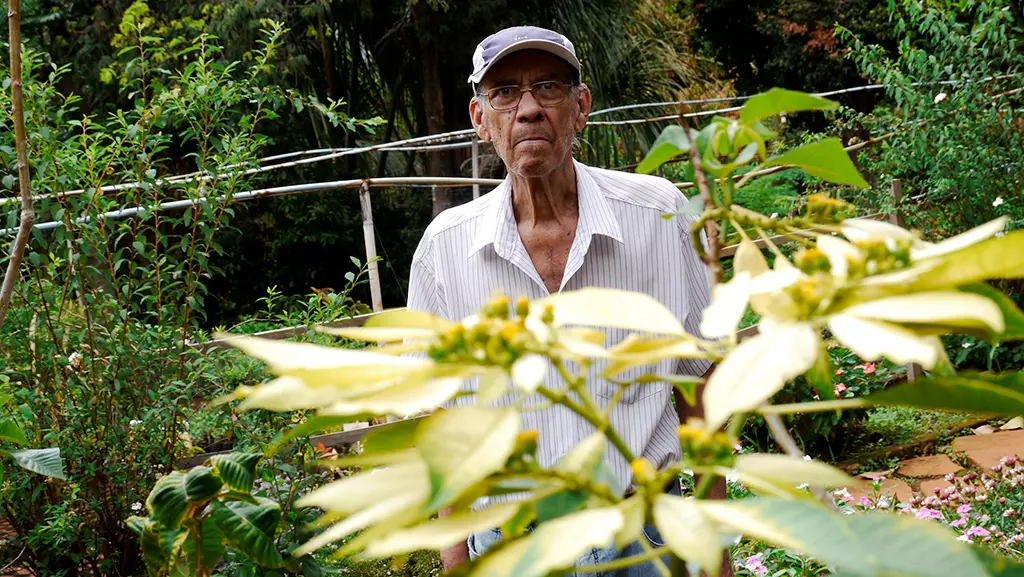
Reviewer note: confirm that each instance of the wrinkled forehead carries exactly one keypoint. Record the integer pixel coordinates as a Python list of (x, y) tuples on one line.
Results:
[(527, 66)]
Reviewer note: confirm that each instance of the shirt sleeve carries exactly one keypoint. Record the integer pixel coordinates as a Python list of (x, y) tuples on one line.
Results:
[(424, 290), (698, 291)]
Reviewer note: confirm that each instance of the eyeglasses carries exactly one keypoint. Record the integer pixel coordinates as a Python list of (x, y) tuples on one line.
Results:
[(547, 93)]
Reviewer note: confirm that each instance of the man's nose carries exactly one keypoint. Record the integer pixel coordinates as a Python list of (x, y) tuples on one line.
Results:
[(529, 109)]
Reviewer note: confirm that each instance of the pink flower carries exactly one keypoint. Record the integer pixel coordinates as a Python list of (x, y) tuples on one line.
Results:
[(839, 388), (839, 372), (926, 513), (977, 532), (754, 565), (959, 522), (869, 368), (878, 478), (963, 510), (864, 501)]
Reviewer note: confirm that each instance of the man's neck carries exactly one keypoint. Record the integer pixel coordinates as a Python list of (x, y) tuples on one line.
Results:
[(546, 200)]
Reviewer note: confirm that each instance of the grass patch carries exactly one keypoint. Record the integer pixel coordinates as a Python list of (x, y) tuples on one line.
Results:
[(902, 425)]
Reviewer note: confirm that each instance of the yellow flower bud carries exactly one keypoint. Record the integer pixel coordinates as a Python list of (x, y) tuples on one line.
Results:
[(497, 308), (549, 315), (522, 306), (812, 260), (526, 442), (643, 471)]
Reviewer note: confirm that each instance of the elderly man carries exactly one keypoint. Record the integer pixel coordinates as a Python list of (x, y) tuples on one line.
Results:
[(555, 224)]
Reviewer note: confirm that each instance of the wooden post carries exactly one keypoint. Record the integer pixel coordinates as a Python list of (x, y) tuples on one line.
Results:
[(371, 247), (476, 166), (914, 370)]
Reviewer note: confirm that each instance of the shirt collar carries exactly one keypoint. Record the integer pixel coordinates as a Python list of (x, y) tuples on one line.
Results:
[(498, 227)]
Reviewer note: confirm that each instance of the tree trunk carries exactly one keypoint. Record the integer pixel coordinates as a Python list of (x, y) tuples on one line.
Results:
[(439, 163)]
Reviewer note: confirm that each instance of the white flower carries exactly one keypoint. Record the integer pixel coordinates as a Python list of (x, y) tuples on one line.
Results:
[(966, 345), (136, 506), (802, 486), (808, 458), (998, 201), (843, 493), (775, 215), (940, 97), (883, 503), (134, 423), (964, 538)]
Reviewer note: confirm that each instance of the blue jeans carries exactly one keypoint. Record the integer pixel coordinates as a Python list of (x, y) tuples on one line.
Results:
[(479, 543)]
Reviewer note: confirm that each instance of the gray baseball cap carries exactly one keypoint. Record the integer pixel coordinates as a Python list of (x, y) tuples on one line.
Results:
[(505, 42)]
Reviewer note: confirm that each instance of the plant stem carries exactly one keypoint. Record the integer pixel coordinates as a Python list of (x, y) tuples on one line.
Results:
[(600, 423), (622, 562), (28, 215), (704, 486), (712, 258)]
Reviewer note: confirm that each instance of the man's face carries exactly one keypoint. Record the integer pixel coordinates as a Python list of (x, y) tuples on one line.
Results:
[(531, 139)]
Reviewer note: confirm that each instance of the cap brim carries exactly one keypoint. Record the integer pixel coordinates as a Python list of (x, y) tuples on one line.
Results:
[(545, 45)]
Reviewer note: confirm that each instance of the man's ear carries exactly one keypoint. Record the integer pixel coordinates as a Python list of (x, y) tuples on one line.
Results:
[(584, 101), (476, 115)]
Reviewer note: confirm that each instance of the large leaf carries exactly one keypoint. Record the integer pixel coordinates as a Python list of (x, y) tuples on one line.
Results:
[(583, 460), (670, 143), (43, 461), (824, 159), (603, 307), (201, 483), (872, 340), (160, 546), (553, 546), (1013, 317), (464, 445), (560, 504), (946, 308), (995, 258), (168, 501), (393, 437), (10, 431), (410, 319), (203, 548), (964, 392), (785, 473), (251, 529), (758, 368), (688, 531), (779, 100), (354, 372), (444, 532), (237, 470), (866, 545), (378, 334), (405, 398)]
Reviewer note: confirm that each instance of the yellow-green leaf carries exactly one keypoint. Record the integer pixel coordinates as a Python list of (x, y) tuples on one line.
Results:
[(778, 101), (670, 143), (728, 303), (957, 309), (872, 340), (1013, 317), (378, 334), (444, 532), (604, 307), (464, 445), (409, 319), (965, 392), (554, 545), (688, 531), (493, 385), (749, 259), (633, 511), (584, 458), (994, 258), (791, 471), (960, 241), (758, 368), (393, 505), (405, 398), (528, 372), (824, 159), (634, 350)]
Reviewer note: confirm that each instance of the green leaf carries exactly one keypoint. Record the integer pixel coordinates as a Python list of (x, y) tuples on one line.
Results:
[(554, 545), (237, 470), (670, 143), (966, 392), (311, 425), (875, 544), (824, 159), (464, 445), (201, 484), (560, 504), (688, 531), (583, 460), (779, 100), (442, 533), (9, 181), (995, 258), (10, 431), (393, 437), (786, 473), (43, 461), (167, 502), (1012, 315), (820, 375), (203, 548), (160, 546), (251, 529)]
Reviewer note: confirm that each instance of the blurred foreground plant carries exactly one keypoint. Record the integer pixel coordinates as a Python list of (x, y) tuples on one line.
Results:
[(876, 289)]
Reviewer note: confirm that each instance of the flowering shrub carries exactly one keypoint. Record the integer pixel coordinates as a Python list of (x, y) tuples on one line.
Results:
[(879, 290)]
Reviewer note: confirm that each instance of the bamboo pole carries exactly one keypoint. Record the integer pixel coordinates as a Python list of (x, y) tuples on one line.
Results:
[(28, 215), (369, 237)]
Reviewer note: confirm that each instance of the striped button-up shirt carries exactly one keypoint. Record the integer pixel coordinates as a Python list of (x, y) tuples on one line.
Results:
[(470, 253)]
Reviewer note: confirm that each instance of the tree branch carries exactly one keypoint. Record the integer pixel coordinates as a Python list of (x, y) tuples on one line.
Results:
[(28, 215), (712, 258)]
